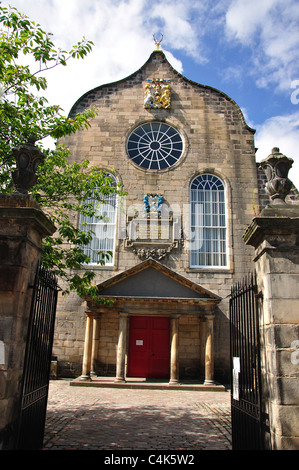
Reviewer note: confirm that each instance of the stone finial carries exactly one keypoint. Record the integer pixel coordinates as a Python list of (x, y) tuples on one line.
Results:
[(28, 157), (276, 167)]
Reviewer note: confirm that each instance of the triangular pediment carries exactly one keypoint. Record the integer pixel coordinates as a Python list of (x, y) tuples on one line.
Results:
[(151, 279)]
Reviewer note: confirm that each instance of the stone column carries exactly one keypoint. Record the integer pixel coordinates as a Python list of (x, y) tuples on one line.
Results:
[(95, 346), (209, 351), (22, 227), (174, 346), (121, 347), (86, 366), (274, 236)]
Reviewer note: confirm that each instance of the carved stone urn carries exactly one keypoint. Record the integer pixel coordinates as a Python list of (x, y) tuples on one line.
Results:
[(276, 167), (28, 157)]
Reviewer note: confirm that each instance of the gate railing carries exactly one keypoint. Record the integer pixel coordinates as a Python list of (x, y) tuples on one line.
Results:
[(35, 382), (246, 414)]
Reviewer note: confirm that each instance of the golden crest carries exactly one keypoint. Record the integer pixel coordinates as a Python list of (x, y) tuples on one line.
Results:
[(157, 94)]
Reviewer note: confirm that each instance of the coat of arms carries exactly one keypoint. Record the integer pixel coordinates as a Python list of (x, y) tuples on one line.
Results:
[(152, 203), (157, 94)]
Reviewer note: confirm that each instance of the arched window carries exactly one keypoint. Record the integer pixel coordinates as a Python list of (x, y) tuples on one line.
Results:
[(102, 226), (208, 222)]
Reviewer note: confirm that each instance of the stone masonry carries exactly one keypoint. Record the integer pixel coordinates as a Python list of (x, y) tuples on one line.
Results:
[(217, 140), (275, 237), (22, 227)]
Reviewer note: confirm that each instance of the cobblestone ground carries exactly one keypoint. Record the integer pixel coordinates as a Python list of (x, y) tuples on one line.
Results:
[(83, 418)]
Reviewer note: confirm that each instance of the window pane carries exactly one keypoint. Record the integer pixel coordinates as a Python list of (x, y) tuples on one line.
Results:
[(102, 226), (155, 146), (208, 224)]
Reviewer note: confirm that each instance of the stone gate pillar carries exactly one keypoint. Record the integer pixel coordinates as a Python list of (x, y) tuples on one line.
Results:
[(22, 227), (275, 237)]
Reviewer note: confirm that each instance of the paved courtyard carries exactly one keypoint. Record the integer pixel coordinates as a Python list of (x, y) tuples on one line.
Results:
[(113, 419)]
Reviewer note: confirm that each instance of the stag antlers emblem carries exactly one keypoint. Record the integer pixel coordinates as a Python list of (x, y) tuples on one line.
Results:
[(158, 41)]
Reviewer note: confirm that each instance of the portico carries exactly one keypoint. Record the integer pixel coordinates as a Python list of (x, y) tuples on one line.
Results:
[(153, 304)]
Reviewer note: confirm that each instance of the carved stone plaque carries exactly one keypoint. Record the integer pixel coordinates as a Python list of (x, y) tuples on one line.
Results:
[(152, 237)]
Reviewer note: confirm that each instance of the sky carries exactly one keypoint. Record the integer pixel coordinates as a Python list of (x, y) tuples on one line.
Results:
[(246, 49)]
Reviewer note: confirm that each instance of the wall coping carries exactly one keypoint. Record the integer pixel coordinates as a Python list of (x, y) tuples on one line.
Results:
[(282, 219), (15, 206)]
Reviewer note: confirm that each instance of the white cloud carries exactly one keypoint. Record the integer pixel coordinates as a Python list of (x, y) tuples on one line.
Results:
[(122, 32), (248, 121), (281, 132), (243, 18), (270, 29), (180, 22)]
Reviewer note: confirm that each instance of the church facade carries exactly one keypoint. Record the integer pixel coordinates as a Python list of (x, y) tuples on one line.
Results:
[(185, 157)]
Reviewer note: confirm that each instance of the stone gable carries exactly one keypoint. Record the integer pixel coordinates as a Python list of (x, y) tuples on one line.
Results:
[(216, 140)]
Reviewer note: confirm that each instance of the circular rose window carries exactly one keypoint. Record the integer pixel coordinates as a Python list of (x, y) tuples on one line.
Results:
[(155, 146)]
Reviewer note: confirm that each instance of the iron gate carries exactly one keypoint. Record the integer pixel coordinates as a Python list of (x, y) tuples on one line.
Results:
[(246, 414), (35, 381)]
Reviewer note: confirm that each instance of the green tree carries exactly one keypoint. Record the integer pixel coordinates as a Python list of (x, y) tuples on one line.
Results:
[(63, 187)]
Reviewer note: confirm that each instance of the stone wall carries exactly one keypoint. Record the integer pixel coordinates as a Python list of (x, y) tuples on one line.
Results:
[(69, 335), (109, 326), (216, 140)]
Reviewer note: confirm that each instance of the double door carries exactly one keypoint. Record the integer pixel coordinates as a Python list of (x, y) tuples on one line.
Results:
[(149, 349)]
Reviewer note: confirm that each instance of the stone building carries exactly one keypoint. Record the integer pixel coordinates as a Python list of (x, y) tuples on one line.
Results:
[(185, 156)]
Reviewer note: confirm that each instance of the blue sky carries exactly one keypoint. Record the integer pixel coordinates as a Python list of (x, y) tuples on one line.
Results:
[(247, 49)]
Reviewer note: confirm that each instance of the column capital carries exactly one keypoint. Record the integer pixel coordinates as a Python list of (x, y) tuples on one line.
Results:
[(208, 317), (123, 314), (90, 314)]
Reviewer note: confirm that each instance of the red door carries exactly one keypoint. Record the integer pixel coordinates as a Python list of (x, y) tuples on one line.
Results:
[(149, 347)]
